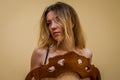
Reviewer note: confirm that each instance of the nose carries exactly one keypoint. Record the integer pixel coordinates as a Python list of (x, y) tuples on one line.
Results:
[(53, 25)]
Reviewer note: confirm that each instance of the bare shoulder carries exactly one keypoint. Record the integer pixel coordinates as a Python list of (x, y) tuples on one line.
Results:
[(37, 57), (38, 51), (87, 53)]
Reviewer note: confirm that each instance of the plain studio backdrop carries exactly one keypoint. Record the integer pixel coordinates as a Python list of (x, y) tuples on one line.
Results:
[(19, 24)]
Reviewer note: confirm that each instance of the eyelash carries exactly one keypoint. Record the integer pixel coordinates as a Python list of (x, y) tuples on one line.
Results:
[(48, 23), (57, 20)]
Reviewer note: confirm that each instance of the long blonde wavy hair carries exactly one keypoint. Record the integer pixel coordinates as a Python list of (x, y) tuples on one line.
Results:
[(71, 27)]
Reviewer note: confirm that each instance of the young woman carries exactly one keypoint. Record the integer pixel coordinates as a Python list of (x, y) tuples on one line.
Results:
[(60, 32)]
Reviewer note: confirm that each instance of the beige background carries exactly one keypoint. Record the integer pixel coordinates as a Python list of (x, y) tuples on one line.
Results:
[(19, 22)]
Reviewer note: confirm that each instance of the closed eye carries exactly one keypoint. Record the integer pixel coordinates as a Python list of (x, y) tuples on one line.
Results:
[(48, 23), (57, 19)]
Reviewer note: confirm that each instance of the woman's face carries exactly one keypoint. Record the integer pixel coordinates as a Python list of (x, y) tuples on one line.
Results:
[(54, 26)]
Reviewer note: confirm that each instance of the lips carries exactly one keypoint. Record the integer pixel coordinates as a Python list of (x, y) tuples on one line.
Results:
[(56, 34)]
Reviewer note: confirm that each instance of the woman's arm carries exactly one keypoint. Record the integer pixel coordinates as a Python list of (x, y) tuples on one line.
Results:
[(35, 60)]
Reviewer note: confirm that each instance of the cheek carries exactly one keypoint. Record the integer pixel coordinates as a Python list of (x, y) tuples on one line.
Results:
[(60, 28), (49, 29), (50, 32)]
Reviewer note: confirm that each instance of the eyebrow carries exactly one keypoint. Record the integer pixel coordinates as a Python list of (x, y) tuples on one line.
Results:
[(50, 20)]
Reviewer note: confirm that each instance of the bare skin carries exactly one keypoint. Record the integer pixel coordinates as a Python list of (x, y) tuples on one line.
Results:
[(38, 56)]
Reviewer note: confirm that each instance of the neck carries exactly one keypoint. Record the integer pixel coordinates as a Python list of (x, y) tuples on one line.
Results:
[(64, 46)]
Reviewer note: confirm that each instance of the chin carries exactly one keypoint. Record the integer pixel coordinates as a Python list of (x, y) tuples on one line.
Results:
[(58, 38)]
